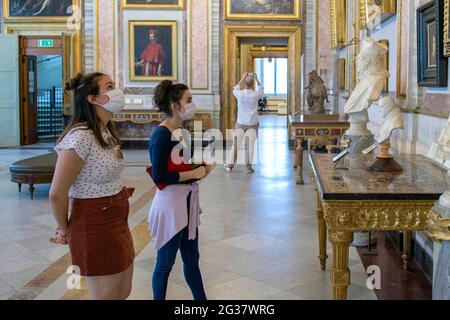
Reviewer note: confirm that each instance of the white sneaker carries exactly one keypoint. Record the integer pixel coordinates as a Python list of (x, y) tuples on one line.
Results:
[(228, 167)]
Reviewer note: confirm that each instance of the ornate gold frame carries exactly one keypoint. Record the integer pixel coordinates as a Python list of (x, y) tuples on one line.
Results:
[(232, 34), (235, 16), (386, 63), (174, 25), (388, 9), (338, 17), (8, 18), (447, 28), (400, 36), (178, 6)]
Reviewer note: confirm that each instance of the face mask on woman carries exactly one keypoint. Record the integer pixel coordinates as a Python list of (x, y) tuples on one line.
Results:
[(116, 101), (189, 112)]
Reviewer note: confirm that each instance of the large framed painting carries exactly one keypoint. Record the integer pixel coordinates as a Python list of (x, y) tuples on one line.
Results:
[(153, 4), (262, 9), (386, 64), (153, 50), (374, 12), (432, 65), (447, 28), (41, 10), (338, 19)]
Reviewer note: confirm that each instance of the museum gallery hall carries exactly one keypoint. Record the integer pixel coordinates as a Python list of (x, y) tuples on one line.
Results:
[(224, 150)]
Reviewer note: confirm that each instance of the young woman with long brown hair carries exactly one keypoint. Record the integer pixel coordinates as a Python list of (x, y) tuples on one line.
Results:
[(89, 200)]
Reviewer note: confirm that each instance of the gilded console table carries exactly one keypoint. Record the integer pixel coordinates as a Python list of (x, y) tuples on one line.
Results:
[(313, 128), (356, 200)]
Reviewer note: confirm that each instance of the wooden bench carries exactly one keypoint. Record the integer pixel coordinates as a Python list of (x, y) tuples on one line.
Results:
[(32, 171)]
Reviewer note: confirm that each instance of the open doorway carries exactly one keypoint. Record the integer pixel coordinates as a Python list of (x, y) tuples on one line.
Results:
[(42, 96)]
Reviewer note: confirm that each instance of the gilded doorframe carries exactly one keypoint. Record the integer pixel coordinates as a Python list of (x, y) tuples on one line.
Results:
[(232, 34)]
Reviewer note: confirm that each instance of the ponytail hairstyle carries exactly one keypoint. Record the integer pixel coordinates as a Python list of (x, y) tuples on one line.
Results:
[(167, 93), (84, 114)]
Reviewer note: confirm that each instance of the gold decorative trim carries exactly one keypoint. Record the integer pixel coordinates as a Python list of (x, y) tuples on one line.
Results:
[(338, 18), (439, 228), (43, 19), (30, 29), (399, 51), (191, 46), (387, 8), (447, 28), (377, 215), (174, 25), (178, 6), (235, 16), (232, 34)]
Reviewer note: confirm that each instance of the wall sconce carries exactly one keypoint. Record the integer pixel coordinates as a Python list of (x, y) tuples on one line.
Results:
[(354, 41)]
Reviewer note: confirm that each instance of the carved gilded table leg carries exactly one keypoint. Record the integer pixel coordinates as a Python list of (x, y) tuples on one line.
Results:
[(340, 273), (322, 226), (407, 237), (299, 161)]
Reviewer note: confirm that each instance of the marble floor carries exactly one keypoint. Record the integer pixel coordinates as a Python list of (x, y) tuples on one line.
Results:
[(258, 236)]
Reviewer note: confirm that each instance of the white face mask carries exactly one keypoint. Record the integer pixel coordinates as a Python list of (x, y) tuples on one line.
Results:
[(189, 114), (116, 101)]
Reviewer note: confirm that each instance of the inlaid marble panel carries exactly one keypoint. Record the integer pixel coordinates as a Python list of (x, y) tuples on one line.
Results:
[(199, 44), (421, 179), (106, 36)]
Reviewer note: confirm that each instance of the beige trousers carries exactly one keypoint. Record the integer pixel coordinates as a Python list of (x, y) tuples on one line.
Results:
[(249, 134)]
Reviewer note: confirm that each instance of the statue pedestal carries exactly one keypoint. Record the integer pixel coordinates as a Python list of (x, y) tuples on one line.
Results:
[(385, 161), (360, 137), (441, 261)]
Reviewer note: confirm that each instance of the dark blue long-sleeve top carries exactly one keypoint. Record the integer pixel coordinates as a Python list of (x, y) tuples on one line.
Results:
[(160, 149)]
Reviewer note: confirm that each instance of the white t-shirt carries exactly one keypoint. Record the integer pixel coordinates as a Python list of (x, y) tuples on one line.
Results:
[(248, 105), (100, 175)]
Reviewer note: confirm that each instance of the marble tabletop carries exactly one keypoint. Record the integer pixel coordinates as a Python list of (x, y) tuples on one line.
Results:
[(326, 118), (421, 179)]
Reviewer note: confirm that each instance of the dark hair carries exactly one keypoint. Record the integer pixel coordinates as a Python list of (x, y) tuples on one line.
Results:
[(83, 111), (167, 93)]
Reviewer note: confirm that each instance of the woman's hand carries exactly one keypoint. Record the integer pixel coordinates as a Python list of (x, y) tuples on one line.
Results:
[(200, 172), (60, 237)]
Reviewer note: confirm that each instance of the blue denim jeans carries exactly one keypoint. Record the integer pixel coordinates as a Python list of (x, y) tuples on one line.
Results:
[(166, 259)]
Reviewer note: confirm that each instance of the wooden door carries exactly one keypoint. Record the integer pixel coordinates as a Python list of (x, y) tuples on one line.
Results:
[(29, 105)]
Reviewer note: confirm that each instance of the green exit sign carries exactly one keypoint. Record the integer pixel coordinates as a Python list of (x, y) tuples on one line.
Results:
[(45, 43)]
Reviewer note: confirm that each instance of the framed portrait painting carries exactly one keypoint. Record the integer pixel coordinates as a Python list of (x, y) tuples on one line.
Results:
[(153, 4), (447, 28), (153, 50), (432, 65), (374, 12), (262, 9), (41, 10)]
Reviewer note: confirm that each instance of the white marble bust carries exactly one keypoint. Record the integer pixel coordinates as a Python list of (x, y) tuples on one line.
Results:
[(393, 119), (372, 76)]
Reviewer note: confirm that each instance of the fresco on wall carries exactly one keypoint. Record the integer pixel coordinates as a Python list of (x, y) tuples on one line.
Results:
[(40, 8)]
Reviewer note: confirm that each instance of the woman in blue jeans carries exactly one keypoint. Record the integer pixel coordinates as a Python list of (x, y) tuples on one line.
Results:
[(174, 214)]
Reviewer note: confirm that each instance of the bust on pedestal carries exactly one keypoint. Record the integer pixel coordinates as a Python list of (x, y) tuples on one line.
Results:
[(393, 120), (372, 77)]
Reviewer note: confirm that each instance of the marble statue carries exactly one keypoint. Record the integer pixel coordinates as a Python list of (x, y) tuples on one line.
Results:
[(372, 78), (441, 278), (393, 119), (316, 94)]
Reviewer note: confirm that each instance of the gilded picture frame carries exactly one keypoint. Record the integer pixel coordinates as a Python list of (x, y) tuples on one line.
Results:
[(69, 11), (374, 12), (254, 10), (342, 74), (165, 46), (338, 18), (432, 66), (447, 28), (161, 5)]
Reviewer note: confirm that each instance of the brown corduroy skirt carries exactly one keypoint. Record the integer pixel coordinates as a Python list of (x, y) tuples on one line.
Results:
[(99, 237)]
